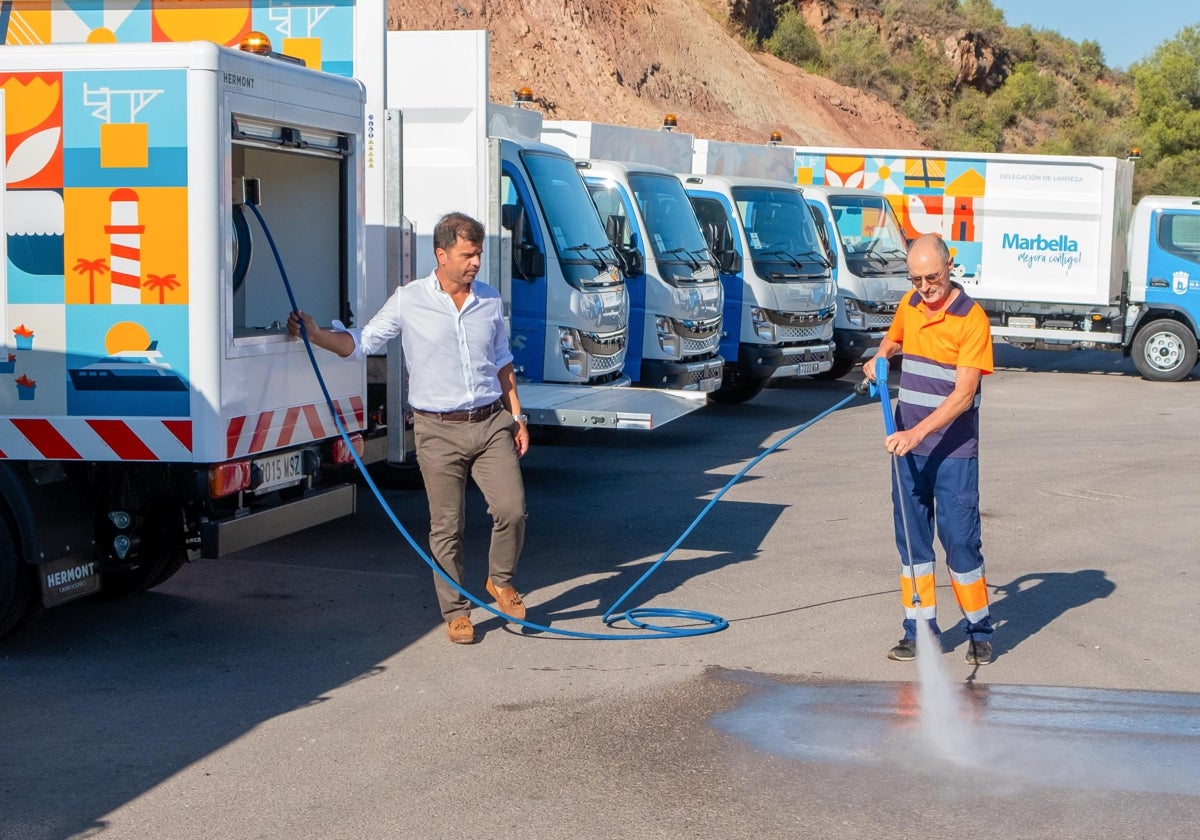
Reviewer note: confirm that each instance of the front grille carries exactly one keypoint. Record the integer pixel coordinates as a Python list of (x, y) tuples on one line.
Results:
[(820, 331), (696, 347), (601, 365), (798, 319), (701, 330), (606, 344)]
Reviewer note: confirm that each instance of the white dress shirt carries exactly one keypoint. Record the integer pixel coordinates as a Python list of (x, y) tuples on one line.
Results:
[(453, 356)]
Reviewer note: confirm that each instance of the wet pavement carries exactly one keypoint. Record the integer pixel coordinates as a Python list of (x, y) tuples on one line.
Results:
[(307, 690)]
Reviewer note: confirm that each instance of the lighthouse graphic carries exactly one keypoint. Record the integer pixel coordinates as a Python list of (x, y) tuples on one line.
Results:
[(125, 246)]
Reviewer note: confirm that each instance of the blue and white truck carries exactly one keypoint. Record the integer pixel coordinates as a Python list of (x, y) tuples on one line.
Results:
[(780, 296), (869, 250), (1052, 247), (675, 296)]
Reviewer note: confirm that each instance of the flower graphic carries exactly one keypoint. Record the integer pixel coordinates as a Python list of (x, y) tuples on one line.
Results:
[(25, 387), (10, 365), (24, 337)]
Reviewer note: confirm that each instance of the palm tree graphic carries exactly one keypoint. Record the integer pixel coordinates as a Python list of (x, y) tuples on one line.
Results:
[(162, 284), (91, 268)]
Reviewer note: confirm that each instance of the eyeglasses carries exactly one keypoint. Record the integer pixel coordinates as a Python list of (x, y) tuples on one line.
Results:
[(918, 279)]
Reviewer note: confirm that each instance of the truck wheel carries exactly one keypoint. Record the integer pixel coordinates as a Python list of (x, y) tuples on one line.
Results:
[(841, 366), (19, 598), (736, 388), (1164, 350), (157, 560)]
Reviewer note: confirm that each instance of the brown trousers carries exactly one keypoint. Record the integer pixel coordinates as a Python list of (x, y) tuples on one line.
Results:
[(448, 453)]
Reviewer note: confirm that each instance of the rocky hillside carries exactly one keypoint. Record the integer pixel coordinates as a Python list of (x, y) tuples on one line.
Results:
[(632, 61)]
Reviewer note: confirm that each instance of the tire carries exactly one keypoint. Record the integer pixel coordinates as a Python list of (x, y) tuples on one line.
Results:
[(736, 388), (20, 601), (1164, 350), (841, 366)]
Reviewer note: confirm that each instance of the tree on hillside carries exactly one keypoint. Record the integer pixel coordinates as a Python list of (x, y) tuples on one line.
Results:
[(1168, 117)]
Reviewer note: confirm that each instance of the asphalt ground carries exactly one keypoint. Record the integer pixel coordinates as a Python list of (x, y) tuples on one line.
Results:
[(306, 689)]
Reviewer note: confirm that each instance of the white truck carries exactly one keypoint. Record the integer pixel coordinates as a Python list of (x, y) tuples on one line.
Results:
[(869, 250), (674, 292), (780, 297), (1051, 246), (548, 252), (152, 406)]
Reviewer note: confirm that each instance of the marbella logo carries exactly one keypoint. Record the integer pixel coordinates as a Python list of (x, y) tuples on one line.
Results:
[(1180, 284), (1061, 250), (1014, 241)]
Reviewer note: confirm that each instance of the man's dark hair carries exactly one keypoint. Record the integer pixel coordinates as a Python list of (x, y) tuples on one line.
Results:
[(455, 226)]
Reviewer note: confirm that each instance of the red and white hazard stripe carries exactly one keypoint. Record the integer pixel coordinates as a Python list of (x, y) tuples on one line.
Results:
[(95, 439), (269, 430)]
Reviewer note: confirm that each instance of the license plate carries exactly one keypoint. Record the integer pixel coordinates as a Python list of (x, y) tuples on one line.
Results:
[(280, 470), (806, 368)]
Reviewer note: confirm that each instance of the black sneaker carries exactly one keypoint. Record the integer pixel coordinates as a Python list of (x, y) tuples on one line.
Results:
[(979, 653), (905, 650)]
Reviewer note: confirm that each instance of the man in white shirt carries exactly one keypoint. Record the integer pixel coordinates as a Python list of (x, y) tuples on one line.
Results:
[(467, 417)]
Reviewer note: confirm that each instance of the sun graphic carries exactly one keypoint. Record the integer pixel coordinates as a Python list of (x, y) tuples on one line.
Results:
[(126, 335), (222, 21)]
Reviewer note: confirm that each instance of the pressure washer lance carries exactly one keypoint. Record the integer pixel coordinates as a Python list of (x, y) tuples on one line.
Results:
[(880, 386)]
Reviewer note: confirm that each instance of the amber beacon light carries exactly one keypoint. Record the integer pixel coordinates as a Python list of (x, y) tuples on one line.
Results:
[(257, 43)]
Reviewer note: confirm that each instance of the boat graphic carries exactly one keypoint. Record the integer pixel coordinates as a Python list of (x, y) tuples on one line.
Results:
[(128, 370)]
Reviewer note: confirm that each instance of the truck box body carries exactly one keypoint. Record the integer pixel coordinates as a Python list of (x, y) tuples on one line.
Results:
[(745, 160), (585, 140), (1021, 228), (127, 336)]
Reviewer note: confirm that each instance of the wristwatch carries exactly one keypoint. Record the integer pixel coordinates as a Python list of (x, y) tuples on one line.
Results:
[(522, 418)]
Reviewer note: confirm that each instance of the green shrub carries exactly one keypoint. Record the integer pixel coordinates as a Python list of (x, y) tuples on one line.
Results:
[(794, 42)]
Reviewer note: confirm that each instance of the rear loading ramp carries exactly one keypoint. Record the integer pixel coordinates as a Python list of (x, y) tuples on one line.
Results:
[(605, 407)]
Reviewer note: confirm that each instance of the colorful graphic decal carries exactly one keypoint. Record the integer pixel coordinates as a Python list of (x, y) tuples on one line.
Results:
[(319, 33), (96, 279), (929, 195)]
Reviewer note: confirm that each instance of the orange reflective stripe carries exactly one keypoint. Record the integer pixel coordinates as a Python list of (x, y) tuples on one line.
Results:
[(972, 597), (925, 588)]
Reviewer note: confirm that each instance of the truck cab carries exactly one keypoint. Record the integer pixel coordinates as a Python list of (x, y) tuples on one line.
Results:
[(869, 253), (569, 305), (674, 291), (780, 297), (1164, 286)]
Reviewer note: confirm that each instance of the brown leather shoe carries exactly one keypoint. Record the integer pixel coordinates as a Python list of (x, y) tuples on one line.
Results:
[(507, 599), (461, 631)]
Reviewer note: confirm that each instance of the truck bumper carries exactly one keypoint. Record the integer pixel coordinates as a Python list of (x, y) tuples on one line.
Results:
[(702, 376), (759, 362), (855, 344), (225, 536)]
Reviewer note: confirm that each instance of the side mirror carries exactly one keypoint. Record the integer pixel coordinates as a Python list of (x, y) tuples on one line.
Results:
[(631, 261), (730, 261), (528, 263)]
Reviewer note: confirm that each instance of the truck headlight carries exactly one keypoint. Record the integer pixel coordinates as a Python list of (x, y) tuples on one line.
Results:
[(573, 355), (762, 325), (668, 339), (854, 315)]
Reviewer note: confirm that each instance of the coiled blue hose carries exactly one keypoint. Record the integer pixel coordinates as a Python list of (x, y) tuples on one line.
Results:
[(637, 616)]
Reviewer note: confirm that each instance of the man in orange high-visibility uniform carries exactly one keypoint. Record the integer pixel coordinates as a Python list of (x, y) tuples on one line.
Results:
[(946, 342)]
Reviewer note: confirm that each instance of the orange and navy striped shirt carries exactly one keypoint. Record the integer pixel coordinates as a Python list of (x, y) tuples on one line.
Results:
[(957, 336)]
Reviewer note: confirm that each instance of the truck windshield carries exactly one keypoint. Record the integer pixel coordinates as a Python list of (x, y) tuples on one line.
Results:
[(870, 233), (783, 237), (574, 224), (671, 226)]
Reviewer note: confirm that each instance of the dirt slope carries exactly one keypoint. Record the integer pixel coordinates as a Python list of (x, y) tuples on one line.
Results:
[(632, 61)]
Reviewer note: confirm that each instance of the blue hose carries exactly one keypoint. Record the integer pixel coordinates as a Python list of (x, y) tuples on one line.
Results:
[(637, 616)]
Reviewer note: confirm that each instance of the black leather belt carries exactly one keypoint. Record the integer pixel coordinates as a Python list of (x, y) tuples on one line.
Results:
[(469, 415)]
